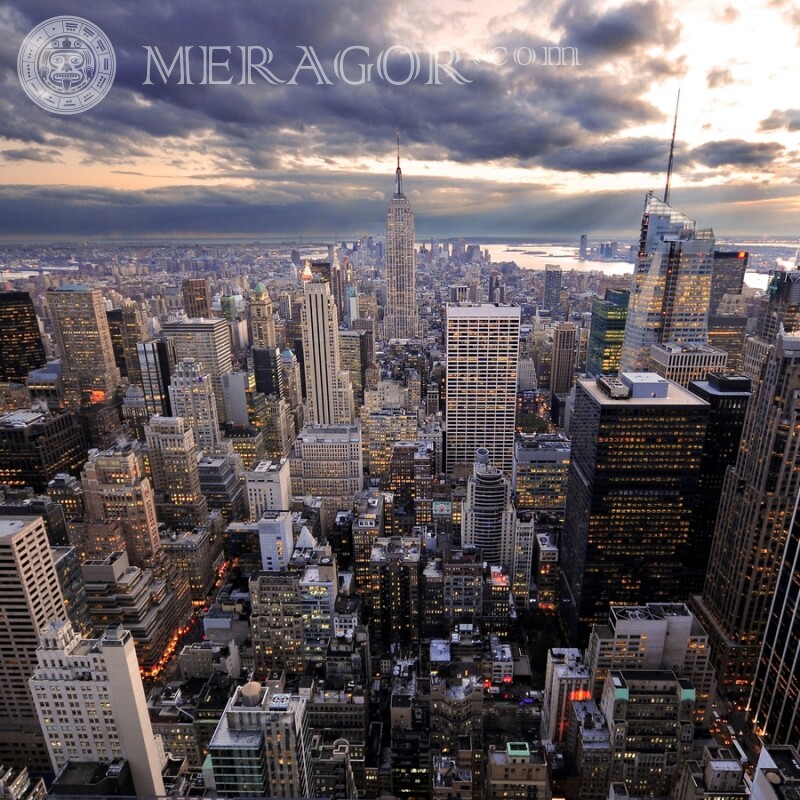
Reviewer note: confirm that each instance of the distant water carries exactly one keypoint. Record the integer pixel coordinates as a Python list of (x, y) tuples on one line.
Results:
[(535, 256)]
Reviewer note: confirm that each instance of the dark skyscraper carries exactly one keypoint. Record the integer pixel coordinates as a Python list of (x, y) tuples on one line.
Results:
[(727, 276), (727, 397), (756, 512), (196, 298), (606, 332), (636, 449), (552, 289), (21, 347)]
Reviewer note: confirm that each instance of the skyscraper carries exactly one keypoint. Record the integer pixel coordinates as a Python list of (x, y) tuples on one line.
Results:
[(487, 517), (29, 598), (607, 332), (91, 703), (755, 519), (192, 397), (552, 290), (207, 341), (156, 364), (671, 284), (176, 478), (115, 487), (401, 320), (83, 341), (565, 347), (481, 382), (328, 387), (127, 328), (262, 323), (727, 276), (21, 347), (636, 448), (196, 298)]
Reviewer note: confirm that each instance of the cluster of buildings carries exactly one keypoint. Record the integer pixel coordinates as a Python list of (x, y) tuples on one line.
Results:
[(300, 538)]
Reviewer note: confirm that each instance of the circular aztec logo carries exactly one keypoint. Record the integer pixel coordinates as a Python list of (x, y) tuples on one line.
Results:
[(66, 65)]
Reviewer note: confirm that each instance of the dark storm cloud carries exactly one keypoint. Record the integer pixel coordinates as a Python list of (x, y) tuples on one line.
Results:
[(507, 112), (737, 153), (626, 155), (788, 119)]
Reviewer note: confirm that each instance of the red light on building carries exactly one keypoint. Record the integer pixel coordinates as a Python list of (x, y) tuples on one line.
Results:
[(580, 694), (742, 254)]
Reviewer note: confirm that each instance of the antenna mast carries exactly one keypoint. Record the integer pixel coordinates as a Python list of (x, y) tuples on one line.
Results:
[(672, 150), (399, 175)]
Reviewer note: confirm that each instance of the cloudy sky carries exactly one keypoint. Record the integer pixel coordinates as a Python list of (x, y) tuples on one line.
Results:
[(501, 143)]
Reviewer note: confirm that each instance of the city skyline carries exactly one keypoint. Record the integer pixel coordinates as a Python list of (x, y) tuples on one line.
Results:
[(510, 150)]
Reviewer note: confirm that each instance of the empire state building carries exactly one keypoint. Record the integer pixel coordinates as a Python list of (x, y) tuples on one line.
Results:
[(401, 318)]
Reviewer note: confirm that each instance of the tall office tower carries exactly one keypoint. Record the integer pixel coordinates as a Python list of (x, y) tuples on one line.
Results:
[(357, 350), (401, 318), (684, 363), (35, 447), (583, 250), (176, 479), (727, 276), (115, 487), (541, 467), (606, 332), (156, 364), (567, 679), (487, 517), (268, 371), (552, 289), (755, 519), (261, 745), (127, 328), (524, 552), (328, 387), (727, 397), (262, 322), (565, 347), (21, 348), (196, 298), (83, 341), (29, 598), (481, 382), (654, 636), (671, 284), (91, 703), (192, 397), (269, 487), (637, 442), (207, 341)]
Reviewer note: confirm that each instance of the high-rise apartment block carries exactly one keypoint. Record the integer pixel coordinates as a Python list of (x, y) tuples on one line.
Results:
[(637, 441), (83, 341), (481, 382), (269, 487)]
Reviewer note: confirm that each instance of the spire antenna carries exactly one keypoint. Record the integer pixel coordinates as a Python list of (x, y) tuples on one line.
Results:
[(398, 173), (671, 150)]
